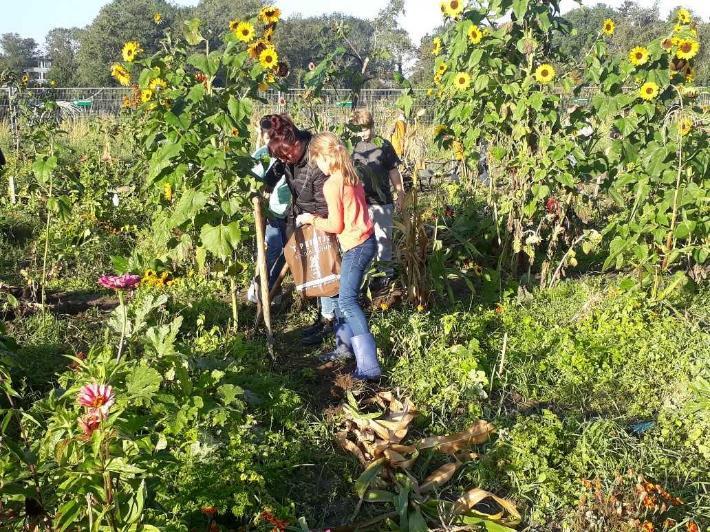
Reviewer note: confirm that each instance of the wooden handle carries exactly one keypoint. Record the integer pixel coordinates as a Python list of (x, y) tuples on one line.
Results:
[(263, 271)]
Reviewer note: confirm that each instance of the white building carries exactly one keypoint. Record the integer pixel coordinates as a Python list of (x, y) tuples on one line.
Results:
[(38, 73)]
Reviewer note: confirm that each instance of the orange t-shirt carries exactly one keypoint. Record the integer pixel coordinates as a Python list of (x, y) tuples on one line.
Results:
[(348, 216)]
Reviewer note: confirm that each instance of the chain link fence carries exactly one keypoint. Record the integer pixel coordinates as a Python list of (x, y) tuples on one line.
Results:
[(334, 104)]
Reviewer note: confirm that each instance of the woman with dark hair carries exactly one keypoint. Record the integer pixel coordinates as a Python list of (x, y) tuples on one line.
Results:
[(290, 146)]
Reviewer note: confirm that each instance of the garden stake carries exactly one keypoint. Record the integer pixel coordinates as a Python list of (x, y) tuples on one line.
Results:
[(265, 298)]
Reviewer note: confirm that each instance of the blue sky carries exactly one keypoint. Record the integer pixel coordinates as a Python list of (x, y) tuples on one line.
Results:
[(33, 18)]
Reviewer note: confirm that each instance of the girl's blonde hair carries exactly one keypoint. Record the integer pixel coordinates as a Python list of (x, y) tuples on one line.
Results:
[(328, 146)]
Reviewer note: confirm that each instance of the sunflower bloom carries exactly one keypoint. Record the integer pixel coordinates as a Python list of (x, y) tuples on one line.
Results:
[(146, 95), (687, 49), (452, 8), (270, 15), (157, 84), (638, 56), (256, 48), (544, 73), (462, 81), (269, 33), (683, 16), (245, 32), (233, 24), (269, 58), (130, 50), (436, 46), (441, 68), (608, 27), (648, 91), (437, 78), (119, 72), (685, 124), (25, 79), (475, 34), (690, 75), (157, 18)]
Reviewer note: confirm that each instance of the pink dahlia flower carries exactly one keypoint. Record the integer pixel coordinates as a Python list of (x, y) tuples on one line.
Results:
[(120, 282), (97, 397)]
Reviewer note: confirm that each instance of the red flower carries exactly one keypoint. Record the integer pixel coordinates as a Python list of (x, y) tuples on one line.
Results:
[(96, 397), (209, 511), (552, 205), (89, 422)]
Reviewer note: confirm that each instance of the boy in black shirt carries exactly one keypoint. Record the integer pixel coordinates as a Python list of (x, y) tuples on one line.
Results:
[(378, 165)]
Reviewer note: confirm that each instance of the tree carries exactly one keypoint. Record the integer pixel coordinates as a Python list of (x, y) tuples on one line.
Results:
[(390, 42), (120, 21), (18, 53), (216, 14), (61, 47)]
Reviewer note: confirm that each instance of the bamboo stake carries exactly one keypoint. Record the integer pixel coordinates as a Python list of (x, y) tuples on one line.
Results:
[(265, 298)]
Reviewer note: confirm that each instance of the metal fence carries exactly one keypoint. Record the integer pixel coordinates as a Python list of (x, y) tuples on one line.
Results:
[(334, 104)]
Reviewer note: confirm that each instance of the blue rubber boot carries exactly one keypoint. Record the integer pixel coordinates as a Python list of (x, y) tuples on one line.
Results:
[(368, 368), (343, 343)]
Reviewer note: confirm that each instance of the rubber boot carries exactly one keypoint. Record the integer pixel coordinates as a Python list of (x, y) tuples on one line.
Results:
[(343, 343), (365, 351)]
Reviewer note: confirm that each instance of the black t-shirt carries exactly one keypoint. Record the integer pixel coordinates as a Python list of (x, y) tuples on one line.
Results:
[(374, 159)]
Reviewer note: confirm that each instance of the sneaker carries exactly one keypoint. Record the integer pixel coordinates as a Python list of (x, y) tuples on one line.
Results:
[(339, 354), (325, 330), (312, 329)]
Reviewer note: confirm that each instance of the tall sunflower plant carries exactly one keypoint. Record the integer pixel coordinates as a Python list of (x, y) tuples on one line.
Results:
[(503, 93), (195, 108), (657, 160)]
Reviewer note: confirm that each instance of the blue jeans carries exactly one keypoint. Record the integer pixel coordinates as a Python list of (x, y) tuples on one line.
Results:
[(355, 263), (275, 238)]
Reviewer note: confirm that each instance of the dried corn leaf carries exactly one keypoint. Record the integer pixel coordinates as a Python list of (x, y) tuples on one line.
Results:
[(398, 460), (439, 477), (347, 445), (478, 433), (473, 497)]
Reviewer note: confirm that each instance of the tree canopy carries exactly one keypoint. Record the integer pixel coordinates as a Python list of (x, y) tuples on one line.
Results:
[(17, 53)]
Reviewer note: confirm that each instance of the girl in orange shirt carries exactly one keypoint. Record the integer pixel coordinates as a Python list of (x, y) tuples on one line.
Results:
[(348, 217)]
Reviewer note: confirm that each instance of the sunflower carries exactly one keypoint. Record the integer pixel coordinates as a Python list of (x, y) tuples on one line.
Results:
[(667, 44), (608, 27), (638, 56), (257, 47), (269, 33), (430, 92), (157, 84), (648, 90), (25, 79), (441, 68), (544, 73), (146, 95), (687, 49), (474, 34), (119, 72), (244, 32), (683, 16), (452, 8), (690, 75), (157, 18), (269, 58), (130, 50), (436, 46), (462, 80), (270, 15), (233, 24), (458, 150), (437, 78), (685, 124)]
